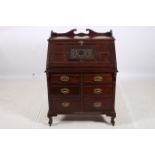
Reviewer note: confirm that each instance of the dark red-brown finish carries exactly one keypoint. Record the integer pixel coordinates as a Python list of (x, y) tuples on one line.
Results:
[(106, 91), (73, 79), (81, 73), (89, 78), (106, 104)]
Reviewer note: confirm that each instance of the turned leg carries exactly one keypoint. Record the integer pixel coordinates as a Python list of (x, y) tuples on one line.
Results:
[(113, 120), (50, 121)]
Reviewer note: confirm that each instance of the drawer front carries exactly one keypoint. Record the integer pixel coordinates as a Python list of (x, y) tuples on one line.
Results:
[(65, 78), (98, 104), (66, 105), (97, 78), (63, 91), (98, 91)]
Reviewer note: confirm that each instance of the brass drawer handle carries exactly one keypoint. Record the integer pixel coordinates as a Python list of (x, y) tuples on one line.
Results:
[(65, 104), (64, 78), (98, 78), (65, 91), (97, 104), (97, 91)]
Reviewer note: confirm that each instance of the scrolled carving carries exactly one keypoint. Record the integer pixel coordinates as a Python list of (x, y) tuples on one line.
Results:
[(93, 33), (90, 33)]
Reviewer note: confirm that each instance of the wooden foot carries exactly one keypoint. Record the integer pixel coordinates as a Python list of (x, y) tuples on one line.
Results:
[(113, 121), (50, 121)]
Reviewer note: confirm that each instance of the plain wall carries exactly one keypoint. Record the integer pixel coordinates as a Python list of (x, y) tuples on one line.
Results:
[(23, 50)]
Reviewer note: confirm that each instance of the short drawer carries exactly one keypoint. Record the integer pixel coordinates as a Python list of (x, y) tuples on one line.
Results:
[(98, 104), (66, 105), (98, 78), (65, 78), (62, 91), (98, 90)]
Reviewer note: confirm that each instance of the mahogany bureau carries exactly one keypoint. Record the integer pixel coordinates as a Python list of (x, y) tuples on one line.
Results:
[(81, 73)]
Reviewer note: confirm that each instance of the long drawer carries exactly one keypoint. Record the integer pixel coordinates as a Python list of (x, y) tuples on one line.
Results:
[(96, 78)]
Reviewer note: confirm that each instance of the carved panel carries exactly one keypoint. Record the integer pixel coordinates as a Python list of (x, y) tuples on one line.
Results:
[(80, 53)]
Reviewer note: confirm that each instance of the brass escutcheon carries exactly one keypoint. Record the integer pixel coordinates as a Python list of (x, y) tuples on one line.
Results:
[(98, 78), (97, 91), (64, 78), (65, 91), (81, 42), (65, 104), (97, 104)]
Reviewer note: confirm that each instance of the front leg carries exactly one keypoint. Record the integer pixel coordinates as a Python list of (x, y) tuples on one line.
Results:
[(113, 116), (50, 121), (113, 120)]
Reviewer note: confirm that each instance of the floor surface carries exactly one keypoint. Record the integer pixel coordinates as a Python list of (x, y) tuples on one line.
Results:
[(24, 104)]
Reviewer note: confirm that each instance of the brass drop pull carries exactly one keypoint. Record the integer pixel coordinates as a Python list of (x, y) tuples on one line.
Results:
[(64, 78), (97, 91), (98, 78), (65, 104), (97, 104), (65, 91)]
